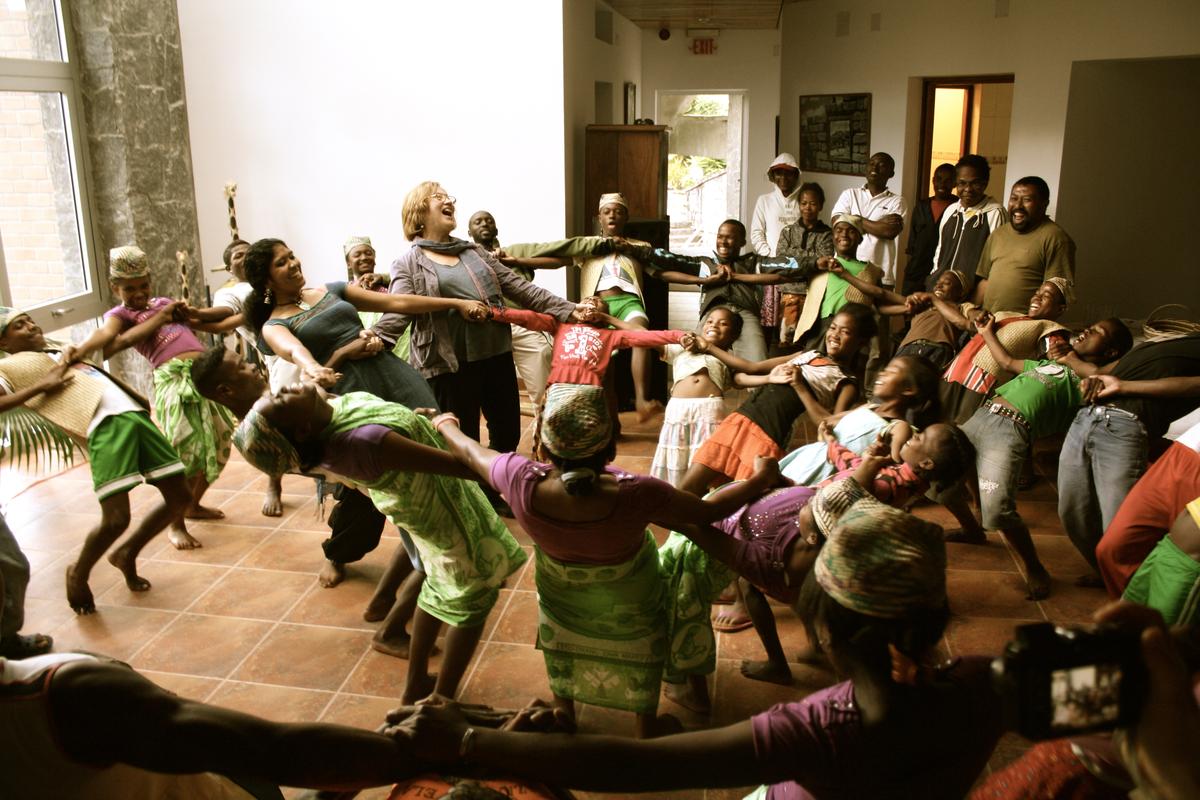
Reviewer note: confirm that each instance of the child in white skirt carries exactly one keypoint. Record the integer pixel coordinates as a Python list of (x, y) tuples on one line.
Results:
[(696, 406)]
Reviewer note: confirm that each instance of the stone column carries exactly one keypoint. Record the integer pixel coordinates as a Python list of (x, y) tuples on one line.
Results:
[(131, 79)]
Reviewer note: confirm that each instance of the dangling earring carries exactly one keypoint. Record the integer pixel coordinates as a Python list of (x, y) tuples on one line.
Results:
[(268, 297)]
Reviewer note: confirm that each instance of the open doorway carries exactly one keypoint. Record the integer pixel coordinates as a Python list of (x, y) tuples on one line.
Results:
[(966, 115), (704, 165)]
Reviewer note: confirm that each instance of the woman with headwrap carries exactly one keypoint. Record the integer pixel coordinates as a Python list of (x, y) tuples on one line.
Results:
[(601, 601), (318, 330), (469, 367), (360, 271), (397, 456), (898, 726)]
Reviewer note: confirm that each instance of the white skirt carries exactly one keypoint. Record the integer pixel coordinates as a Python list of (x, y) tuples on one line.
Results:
[(687, 422)]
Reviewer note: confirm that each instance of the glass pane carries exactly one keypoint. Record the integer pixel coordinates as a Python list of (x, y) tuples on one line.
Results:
[(29, 29), (39, 221)]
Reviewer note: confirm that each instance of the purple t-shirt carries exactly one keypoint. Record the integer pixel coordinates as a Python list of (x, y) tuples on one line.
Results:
[(165, 343), (354, 454), (764, 529), (612, 540), (954, 724)]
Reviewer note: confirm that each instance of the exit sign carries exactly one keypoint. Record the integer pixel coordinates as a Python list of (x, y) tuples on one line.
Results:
[(704, 47)]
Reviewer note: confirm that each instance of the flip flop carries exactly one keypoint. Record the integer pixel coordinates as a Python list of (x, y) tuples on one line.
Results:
[(19, 646), (732, 626)]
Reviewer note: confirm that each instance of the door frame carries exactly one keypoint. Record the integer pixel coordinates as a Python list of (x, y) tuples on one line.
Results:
[(928, 86)]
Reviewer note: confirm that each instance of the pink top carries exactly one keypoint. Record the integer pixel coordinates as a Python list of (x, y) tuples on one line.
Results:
[(582, 352), (612, 540), (895, 484), (169, 341)]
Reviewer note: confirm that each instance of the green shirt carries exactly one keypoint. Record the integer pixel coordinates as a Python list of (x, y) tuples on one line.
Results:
[(836, 286), (1046, 394), (1016, 264)]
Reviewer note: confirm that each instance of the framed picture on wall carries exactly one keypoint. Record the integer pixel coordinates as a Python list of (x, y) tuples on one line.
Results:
[(630, 102), (835, 133)]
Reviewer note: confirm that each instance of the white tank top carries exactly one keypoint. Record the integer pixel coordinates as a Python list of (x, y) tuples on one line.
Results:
[(35, 767)]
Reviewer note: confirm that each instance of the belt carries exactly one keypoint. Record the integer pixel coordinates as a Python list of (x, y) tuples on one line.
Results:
[(1009, 413)]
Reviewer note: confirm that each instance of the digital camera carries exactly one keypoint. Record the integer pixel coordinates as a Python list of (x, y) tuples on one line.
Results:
[(1059, 681)]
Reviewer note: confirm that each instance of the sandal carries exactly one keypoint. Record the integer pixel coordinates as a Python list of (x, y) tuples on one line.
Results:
[(18, 646), (725, 624)]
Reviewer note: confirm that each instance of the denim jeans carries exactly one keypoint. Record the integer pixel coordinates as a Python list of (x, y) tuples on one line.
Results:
[(1000, 448), (1102, 457), (15, 569), (752, 344)]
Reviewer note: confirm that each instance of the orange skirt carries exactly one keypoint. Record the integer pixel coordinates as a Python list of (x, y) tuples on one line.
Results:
[(731, 450)]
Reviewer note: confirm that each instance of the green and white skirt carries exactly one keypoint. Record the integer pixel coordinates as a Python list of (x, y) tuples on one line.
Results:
[(200, 430), (602, 629), (694, 579)]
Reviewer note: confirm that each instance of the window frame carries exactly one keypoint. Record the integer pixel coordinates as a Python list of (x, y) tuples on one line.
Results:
[(62, 77)]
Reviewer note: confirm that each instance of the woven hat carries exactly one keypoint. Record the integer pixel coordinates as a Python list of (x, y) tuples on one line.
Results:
[(610, 198), (853, 220), (1066, 287), (832, 501), (963, 280), (575, 421), (127, 262), (355, 241), (264, 446), (883, 562), (7, 315)]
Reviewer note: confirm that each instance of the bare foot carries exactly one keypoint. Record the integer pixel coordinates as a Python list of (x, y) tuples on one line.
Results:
[(396, 647), (419, 690), (767, 671), (685, 695), (1090, 581), (966, 537), (272, 504), (121, 559), (182, 540), (79, 596), (647, 409), (203, 512), (1039, 585), (332, 574), (377, 610)]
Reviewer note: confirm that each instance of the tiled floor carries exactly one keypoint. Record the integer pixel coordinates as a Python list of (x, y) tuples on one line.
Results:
[(242, 621)]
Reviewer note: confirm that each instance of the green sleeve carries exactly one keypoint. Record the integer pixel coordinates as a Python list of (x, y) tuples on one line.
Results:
[(574, 247)]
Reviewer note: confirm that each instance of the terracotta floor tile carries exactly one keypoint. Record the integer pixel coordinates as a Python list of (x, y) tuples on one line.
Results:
[(246, 509), (190, 686), (981, 636), (1041, 516), (1071, 604), (305, 518), (378, 675), (112, 631), (63, 531), (1061, 557), (992, 557), (519, 621), (305, 656), (223, 544), (43, 616), (489, 626), (22, 510), (295, 487), (257, 594), (637, 464), (358, 711), (174, 586), (527, 580), (597, 720), (507, 676), (746, 644), (292, 552), (736, 697), (517, 531), (235, 476), (48, 582), (728, 794), (975, 593), (278, 703), (341, 607), (40, 559), (205, 646)]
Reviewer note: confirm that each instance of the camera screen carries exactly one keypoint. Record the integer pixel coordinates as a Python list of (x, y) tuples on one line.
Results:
[(1085, 697)]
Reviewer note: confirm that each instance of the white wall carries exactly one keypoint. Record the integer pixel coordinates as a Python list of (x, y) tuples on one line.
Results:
[(929, 38), (326, 115), (587, 60), (745, 61)]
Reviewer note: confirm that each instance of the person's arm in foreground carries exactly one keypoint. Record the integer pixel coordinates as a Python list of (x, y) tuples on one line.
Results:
[(106, 713), (105, 337), (847, 398), (1102, 387), (285, 345), (50, 383), (886, 301), (470, 453), (365, 300), (686, 508), (708, 758), (400, 452)]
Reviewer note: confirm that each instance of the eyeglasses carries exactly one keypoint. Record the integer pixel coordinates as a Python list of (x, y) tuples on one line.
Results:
[(443, 197)]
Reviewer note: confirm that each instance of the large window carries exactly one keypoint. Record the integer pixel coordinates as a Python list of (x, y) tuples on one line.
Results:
[(48, 261)]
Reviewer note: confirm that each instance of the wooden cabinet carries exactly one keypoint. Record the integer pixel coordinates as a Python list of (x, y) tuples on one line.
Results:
[(632, 160)]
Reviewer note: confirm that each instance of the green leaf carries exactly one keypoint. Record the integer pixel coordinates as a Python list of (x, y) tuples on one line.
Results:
[(28, 439)]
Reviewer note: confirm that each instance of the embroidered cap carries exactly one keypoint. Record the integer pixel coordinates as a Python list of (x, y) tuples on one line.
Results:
[(612, 198), (355, 241), (127, 262)]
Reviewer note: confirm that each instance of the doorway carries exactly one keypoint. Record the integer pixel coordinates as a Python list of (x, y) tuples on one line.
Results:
[(966, 115), (704, 165)]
